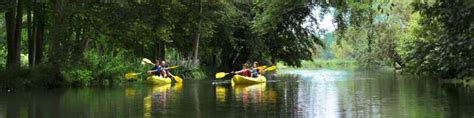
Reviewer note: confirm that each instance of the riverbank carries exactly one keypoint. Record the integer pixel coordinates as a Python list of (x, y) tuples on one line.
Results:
[(107, 70), (352, 65), (320, 63)]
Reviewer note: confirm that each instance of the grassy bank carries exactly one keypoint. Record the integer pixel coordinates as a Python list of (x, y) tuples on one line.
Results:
[(351, 64), (320, 63)]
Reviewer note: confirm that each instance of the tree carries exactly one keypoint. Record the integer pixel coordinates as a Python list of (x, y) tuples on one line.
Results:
[(373, 29), (442, 44), (198, 36), (35, 28), (58, 33), (38, 31), (14, 24), (280, 24)]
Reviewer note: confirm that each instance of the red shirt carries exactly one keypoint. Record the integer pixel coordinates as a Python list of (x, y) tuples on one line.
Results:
[(245, 72)]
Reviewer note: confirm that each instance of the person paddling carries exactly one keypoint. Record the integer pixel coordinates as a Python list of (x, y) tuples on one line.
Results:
[(165, 71), (156, 68), (255, 71), (243, 72)]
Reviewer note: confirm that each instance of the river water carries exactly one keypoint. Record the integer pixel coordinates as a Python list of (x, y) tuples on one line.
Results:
[(295, 93)]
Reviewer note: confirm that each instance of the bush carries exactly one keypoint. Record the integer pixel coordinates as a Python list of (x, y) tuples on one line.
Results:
[(186, 69), (78, 77), (40, 77), (97, 69), (92, 70), (441, 42)]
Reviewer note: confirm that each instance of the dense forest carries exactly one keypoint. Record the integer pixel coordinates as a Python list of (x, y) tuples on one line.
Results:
[(47, 43)]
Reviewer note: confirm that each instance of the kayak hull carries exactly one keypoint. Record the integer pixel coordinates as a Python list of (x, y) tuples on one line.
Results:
[(157, 80), (239, 79)]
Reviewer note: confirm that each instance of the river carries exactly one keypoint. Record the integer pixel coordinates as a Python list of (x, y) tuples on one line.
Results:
[(294, 93)]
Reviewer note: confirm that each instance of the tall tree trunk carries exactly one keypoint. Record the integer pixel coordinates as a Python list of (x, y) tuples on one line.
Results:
[(19, 22), (160, 50), (198, 36), (196, 49), (57, 32), (31, 26), (14, 36), (40, 16), (10, 23), (370, 31), (370, 36)]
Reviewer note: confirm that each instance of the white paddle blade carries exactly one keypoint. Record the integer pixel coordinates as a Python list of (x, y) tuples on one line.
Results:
[(145, 60)]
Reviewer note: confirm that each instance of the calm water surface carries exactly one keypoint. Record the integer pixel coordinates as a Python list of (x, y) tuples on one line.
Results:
[(296, 93)]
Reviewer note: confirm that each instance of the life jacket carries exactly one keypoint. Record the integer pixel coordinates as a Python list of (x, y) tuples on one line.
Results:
[(157, 70), (245, 72), (255, 72)]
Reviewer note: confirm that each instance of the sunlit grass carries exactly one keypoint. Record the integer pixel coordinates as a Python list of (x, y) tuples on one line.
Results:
[(321, 63)]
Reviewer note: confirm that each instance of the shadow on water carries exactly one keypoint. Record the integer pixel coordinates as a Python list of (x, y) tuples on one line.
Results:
[(294, 93)]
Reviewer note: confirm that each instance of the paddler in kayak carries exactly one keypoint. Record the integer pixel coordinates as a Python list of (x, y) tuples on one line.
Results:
[(156, 68), (255, 71), (243, 72), (165, 71)]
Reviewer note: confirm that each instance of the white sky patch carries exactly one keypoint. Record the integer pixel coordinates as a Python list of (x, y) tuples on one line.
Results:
[(325, 22)]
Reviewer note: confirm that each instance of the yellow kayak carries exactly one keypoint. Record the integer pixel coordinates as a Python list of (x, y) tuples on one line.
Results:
[(158, 80), (239, 79)]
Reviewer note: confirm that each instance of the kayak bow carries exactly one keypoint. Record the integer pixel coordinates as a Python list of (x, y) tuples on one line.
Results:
[(158, 80), (239, 79)]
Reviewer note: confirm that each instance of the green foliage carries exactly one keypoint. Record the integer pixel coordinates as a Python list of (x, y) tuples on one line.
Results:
[(3, 41), (3, 53), (373, 30), (186, 69), (78, 77), (343, 49), (443, 42), (40, 77), (6, 4), (100, 70), (279, 24), (96, 42)]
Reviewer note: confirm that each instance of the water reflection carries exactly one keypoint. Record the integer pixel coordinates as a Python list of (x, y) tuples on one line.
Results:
[(335, 93), (130, 92), (246, 99), (220, 94), (158, 98), (249, 93), (318, 93), (299, 93)]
